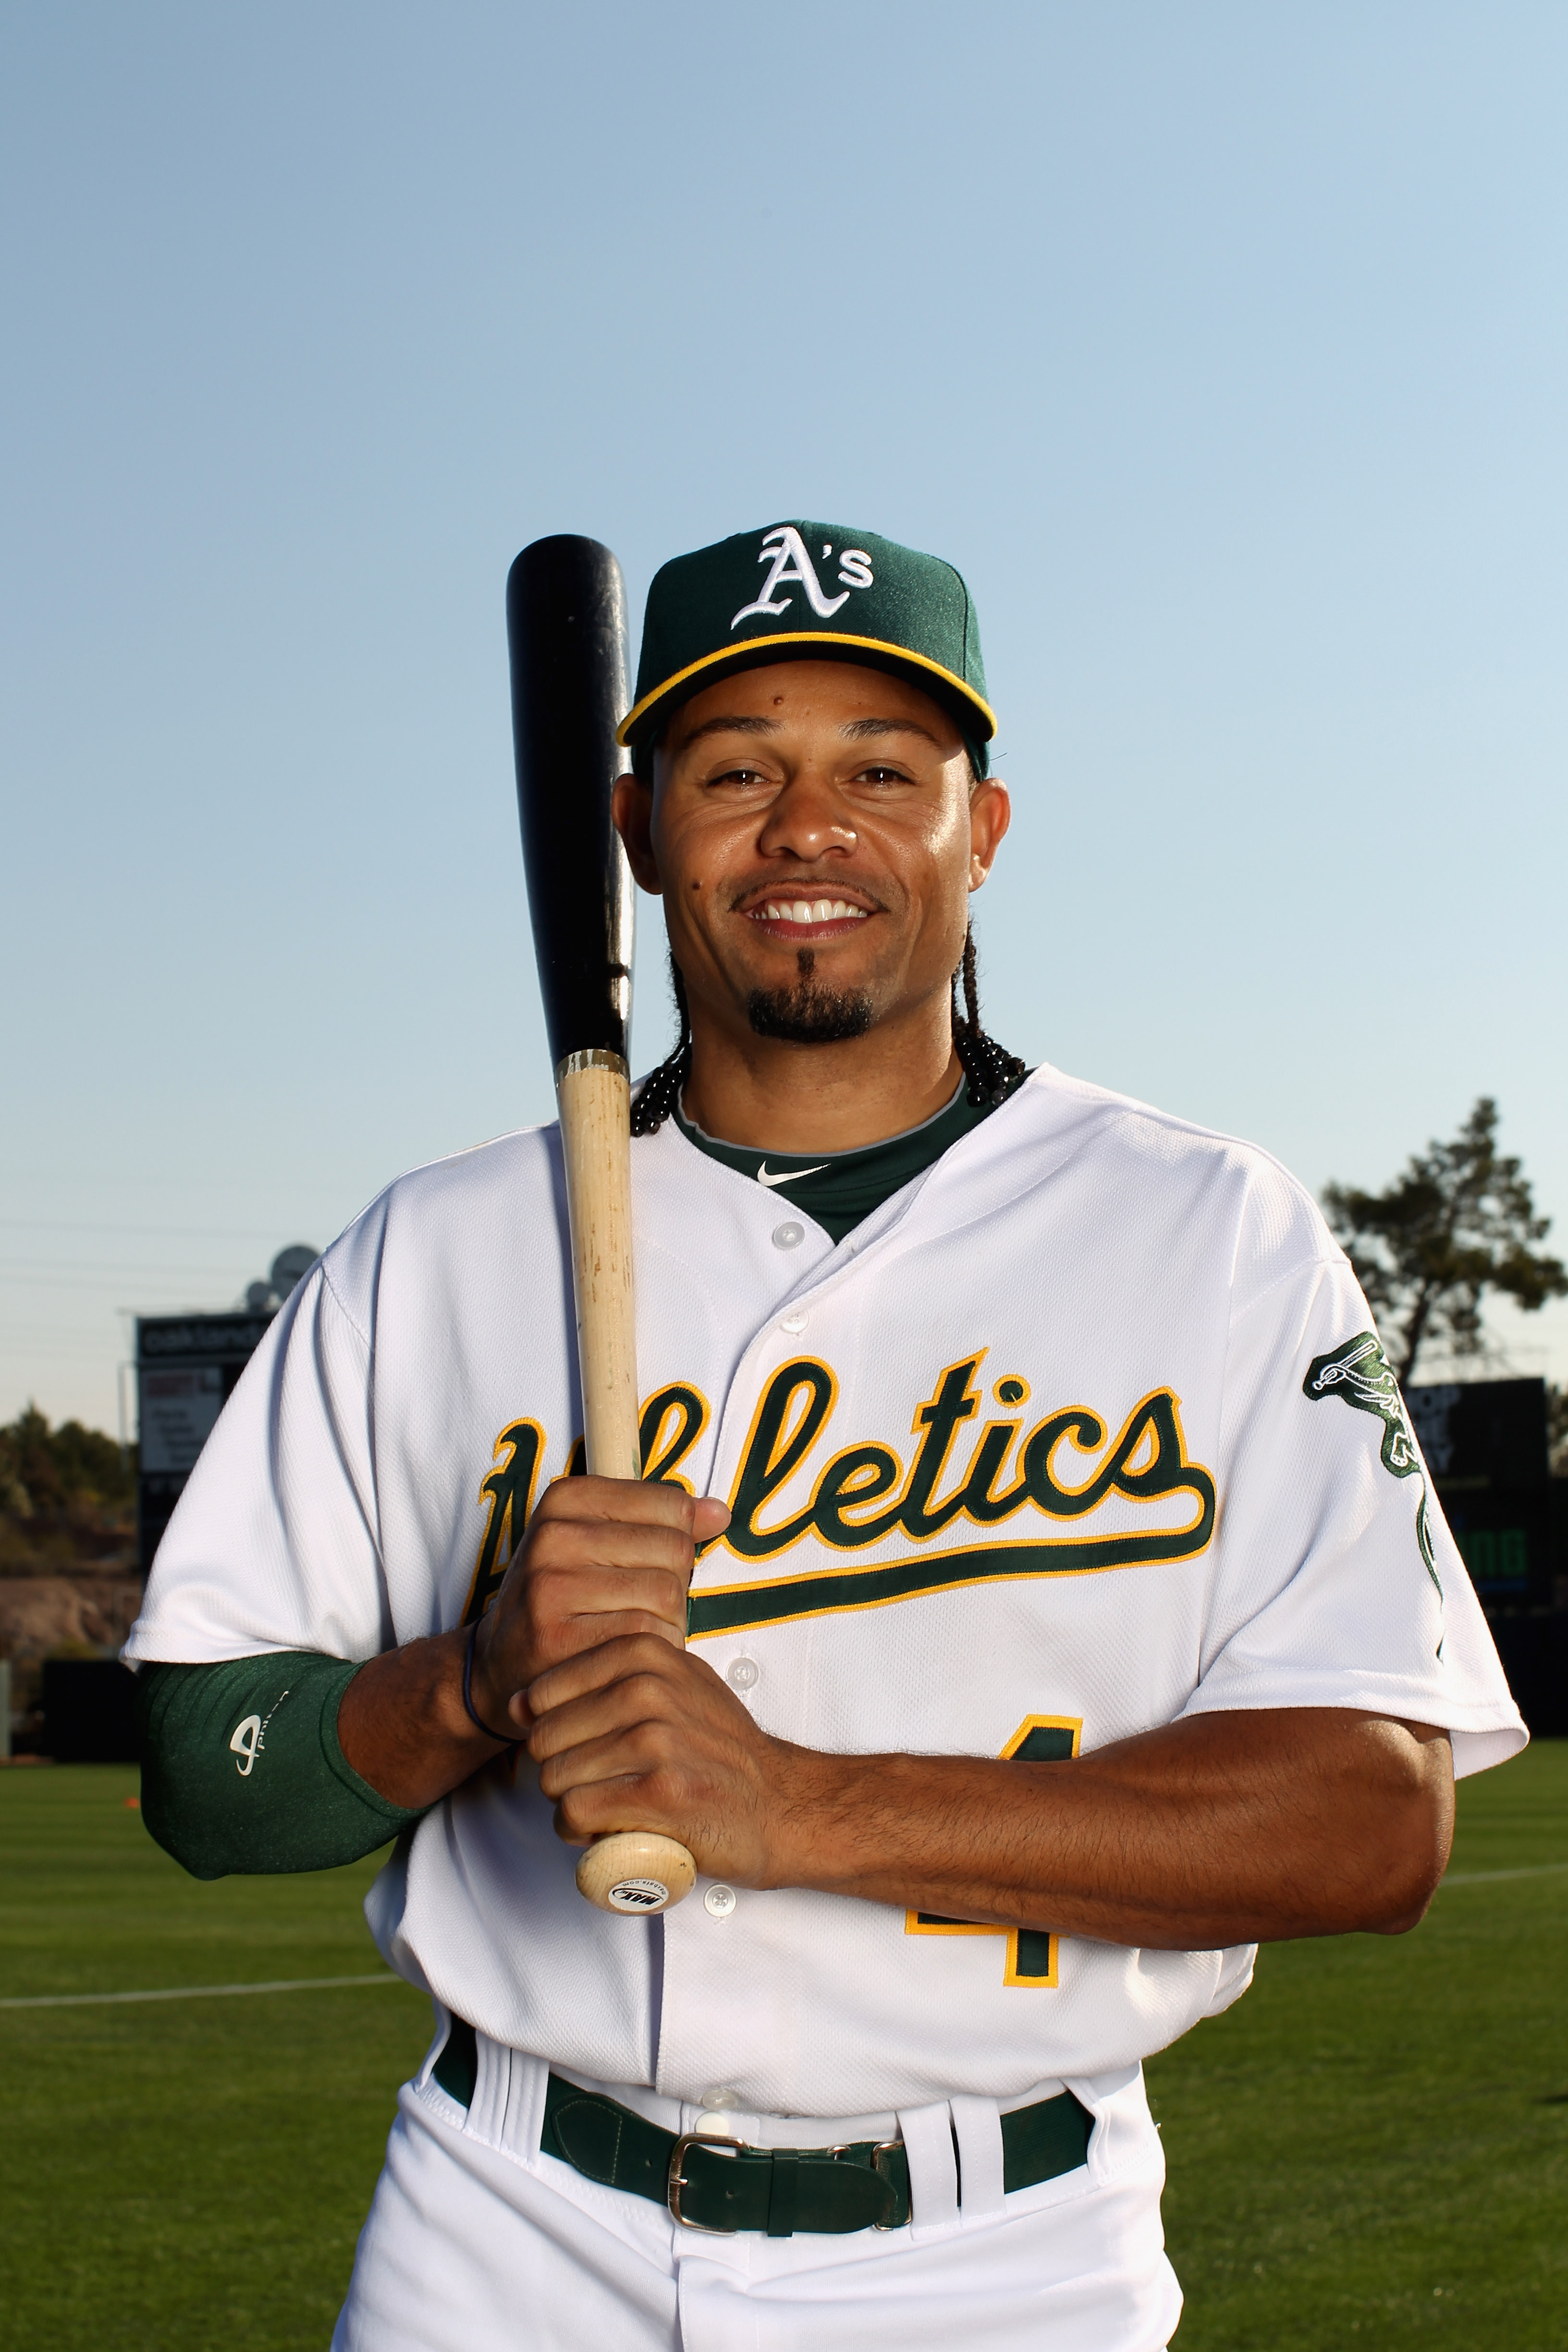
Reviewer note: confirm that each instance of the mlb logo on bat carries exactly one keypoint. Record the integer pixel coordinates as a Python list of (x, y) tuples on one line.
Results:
[(787, 552)]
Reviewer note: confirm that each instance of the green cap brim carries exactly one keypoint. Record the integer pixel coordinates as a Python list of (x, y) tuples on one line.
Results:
[(974, 714)]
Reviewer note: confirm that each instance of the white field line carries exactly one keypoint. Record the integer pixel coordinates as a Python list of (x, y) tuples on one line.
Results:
[(1489, 1877), (192, 1992)]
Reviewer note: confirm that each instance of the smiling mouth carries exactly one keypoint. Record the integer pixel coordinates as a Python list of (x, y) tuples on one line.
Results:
[(795, 918)]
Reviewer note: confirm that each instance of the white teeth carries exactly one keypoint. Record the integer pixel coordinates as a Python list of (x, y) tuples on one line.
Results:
[(805, 910)]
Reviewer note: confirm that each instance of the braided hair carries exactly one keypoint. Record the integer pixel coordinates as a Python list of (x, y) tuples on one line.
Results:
[(661, 1090), (993, 1073)]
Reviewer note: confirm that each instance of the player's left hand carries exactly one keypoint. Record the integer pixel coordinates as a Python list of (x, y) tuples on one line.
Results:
[(637, 1734)]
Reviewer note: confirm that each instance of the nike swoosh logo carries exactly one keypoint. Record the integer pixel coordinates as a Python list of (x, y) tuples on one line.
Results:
[(788, 1175)]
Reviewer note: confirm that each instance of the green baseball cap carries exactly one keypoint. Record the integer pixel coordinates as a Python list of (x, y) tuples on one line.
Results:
[(804, 591)]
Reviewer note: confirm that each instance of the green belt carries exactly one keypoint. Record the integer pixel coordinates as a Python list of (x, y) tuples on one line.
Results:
[(724, 2185)]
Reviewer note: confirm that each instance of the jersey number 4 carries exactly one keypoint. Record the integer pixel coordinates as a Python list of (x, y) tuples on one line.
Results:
[(1031, 1954)]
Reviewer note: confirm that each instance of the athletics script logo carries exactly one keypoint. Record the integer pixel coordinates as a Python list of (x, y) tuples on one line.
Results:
[(1073, 1495), (1360, 1375), (784, 551)]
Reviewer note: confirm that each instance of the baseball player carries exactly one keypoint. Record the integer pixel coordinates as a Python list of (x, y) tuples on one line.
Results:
[(1035, 1598)]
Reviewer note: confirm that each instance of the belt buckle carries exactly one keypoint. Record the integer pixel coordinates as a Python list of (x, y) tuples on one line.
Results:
[(884, 2148), (678, 2180)]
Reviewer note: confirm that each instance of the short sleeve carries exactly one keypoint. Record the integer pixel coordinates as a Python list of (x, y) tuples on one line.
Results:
[(1336, 1581), (274, 1543)]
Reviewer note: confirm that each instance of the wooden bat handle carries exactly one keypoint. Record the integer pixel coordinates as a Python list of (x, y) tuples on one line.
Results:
[(594, 1098), (630, 1869)]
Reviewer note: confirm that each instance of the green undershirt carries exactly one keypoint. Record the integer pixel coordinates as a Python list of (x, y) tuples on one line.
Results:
[(837, 1190), (300, 1805)]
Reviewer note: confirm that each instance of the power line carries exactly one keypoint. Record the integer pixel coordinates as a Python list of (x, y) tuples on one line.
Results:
[(165, 1233), (63, 1270)]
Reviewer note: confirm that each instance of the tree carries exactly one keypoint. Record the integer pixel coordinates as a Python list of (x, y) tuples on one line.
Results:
[(1458, 1223), (45, 1468)]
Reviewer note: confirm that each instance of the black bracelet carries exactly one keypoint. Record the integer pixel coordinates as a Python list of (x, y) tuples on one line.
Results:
[(508, 1738)]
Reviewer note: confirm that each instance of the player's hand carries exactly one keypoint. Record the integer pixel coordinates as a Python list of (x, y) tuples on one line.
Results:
[(604, 1559), (639, 1734)]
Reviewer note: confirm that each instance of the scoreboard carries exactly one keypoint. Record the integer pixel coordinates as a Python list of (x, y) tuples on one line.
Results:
[(186, 1365), (1484, 1444)]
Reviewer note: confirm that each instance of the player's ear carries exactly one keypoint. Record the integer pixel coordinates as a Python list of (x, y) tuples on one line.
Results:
[(990, 814), (631, 808)]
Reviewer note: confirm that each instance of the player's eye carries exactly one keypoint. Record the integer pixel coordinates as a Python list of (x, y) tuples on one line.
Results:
[(738, 776), (881, 776)]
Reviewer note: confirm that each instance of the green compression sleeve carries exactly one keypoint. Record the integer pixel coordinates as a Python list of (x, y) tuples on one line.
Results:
[(241, 1769)]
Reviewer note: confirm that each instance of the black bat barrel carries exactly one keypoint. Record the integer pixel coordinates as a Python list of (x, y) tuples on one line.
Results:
[(566, 626)]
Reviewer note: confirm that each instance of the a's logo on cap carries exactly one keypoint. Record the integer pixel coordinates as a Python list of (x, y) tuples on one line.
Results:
[(785, 551)]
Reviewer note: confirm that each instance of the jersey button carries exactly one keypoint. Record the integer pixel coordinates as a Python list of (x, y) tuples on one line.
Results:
[(743, 1673), (719, 1902), (792, 1324), (720, 2100), (788, 1236)]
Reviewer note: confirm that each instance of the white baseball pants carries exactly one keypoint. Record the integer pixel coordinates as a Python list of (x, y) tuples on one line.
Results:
[(478, 2242)]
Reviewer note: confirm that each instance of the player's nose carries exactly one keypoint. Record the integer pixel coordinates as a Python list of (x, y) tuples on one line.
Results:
[(807, 819)]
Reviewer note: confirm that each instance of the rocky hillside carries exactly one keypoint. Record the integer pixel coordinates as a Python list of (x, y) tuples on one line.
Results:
[(68, 1585)]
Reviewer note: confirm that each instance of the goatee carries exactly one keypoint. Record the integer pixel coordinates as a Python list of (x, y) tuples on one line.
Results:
[(807, 1015)]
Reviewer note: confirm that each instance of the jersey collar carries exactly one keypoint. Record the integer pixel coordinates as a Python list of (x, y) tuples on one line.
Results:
[(837, 1189)]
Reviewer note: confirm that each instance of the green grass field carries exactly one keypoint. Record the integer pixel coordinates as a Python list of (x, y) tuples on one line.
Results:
[(1372, 2147)]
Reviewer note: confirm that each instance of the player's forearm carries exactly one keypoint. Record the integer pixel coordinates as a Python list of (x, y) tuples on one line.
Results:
[(403, 1725), (1224, 1829), (1227, 1829)]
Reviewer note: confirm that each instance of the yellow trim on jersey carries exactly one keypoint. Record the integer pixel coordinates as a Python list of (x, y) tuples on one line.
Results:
[(507, 1509), (1073, 1723), (1175, 1538), (914, 1924), (664, 1450), (1010, 1970)]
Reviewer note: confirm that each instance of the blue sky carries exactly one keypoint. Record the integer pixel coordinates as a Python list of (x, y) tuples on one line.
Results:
[(1222, 348)]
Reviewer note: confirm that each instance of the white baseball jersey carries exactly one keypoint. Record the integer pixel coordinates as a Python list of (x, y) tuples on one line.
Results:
[(1085, 1430)]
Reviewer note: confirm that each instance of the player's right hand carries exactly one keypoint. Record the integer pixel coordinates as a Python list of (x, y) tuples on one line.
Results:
[(602, 1559)]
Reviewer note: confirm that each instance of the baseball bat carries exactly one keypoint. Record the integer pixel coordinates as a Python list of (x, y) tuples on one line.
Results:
[(566, 628)]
